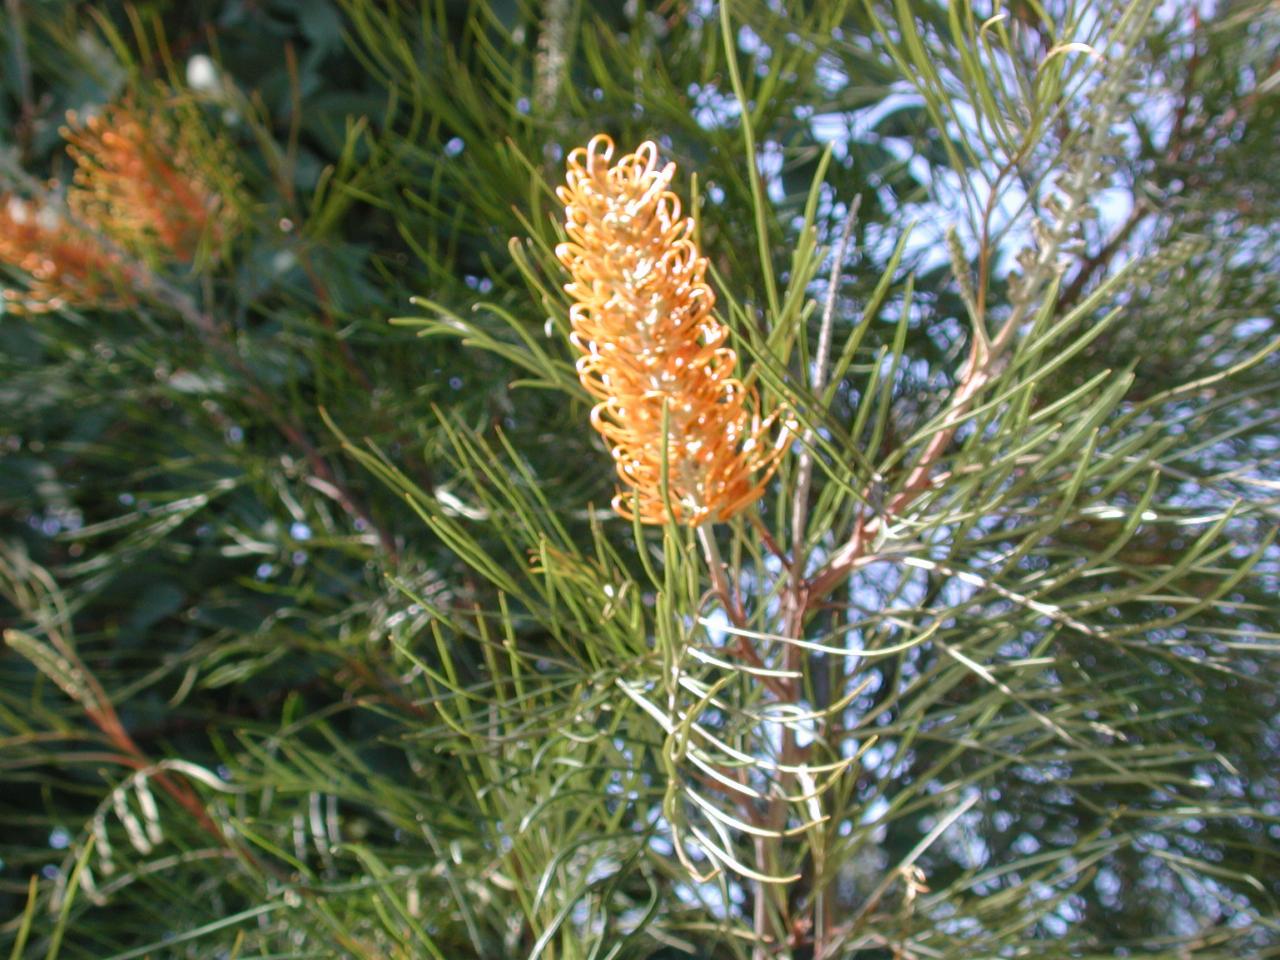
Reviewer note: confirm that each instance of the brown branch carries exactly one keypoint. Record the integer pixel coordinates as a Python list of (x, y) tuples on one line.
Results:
[(767, 539), (854, 552), (1092, 264), (732, 606), (101, 712), (982, 365)]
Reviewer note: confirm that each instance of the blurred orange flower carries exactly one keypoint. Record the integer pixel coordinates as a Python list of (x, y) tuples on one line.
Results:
[(142, 178), (67, 264), (653, 354), (146, 186)]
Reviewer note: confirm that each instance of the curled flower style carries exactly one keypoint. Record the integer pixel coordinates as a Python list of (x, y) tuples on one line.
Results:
[(653, 353), (138, 178), (68, 266)]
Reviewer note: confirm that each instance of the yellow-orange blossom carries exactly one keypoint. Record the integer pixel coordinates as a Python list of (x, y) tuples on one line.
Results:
[(652, 351)]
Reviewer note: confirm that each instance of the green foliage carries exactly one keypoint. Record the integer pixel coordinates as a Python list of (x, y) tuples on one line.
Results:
[(319, 640)]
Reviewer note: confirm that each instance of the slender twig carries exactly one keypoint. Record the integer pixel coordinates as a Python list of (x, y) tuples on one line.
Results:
[(719, 582), (795, 600), (918, 480), (766, 537), (821, 360), (984, 247), (1091, 265), (732, 605)]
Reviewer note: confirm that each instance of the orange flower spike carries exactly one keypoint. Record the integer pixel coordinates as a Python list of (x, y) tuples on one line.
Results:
[(135, 177), (652, 351), (67, 265)]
